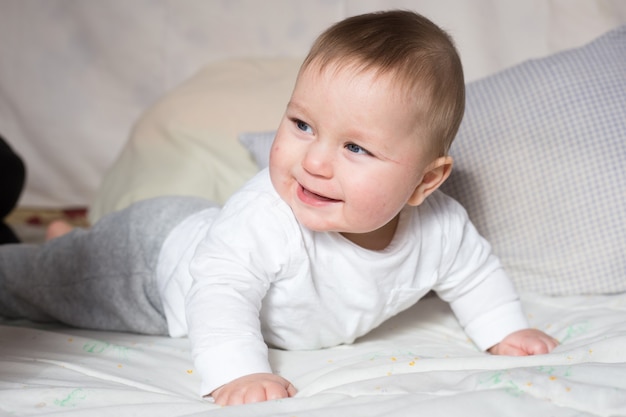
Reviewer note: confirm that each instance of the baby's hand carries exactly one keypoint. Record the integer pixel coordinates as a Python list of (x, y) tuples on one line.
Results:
[(253, 388), (525, 342)]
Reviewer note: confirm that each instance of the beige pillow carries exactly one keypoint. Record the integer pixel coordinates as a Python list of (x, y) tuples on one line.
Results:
[(186, 144)]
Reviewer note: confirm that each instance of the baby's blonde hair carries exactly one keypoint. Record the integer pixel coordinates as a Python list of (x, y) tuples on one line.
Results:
[(415, 51)]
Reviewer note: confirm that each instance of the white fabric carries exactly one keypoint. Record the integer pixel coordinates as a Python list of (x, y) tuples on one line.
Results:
[(417, 362), (315, 290), (173, 279), (75, 76)]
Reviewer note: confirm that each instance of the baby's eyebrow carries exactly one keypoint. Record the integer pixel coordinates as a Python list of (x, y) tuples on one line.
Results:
[(292, 105)]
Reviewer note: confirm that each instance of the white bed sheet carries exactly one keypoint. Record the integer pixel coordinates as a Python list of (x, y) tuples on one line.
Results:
[(418, 362)]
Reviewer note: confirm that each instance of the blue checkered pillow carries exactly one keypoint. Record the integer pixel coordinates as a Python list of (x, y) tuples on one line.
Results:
[(259, 145), (540, 166)]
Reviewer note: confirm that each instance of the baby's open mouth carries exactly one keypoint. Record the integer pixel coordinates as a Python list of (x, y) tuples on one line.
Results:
[(316, 196)]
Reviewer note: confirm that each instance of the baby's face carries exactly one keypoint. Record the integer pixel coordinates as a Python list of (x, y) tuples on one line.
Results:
[(348, 154)]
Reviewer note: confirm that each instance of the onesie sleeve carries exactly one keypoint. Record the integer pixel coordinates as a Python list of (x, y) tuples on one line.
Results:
[(474, 282), (232, 270)]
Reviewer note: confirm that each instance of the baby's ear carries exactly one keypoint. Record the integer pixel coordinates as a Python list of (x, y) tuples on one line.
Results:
[(434, 175)]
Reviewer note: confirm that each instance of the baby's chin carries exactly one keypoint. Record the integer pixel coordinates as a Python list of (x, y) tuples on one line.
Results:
[(316, 227), (331, 228)]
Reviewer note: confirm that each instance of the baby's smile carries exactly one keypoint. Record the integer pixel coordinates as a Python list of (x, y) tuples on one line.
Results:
[(309, 197)]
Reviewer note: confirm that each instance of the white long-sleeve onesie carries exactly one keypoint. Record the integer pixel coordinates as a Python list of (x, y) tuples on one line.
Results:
[(249, 274)]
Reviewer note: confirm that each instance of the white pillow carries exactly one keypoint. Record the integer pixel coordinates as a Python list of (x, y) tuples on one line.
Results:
[(539, 165), (540, 160), (186, 144)]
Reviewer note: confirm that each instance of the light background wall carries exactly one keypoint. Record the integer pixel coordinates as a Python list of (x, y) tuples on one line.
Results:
[(76, 74)]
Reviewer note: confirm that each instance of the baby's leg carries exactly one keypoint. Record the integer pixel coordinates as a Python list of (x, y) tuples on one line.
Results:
[(98, 278)]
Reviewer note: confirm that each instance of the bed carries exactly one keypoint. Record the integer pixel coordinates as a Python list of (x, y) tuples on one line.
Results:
[(418, 362), (538, 164)]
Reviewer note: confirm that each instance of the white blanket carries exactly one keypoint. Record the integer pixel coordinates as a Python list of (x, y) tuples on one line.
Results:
[(418, 363)]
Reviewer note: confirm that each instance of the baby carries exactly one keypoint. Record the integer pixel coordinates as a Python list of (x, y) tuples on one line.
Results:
[(343, 231)]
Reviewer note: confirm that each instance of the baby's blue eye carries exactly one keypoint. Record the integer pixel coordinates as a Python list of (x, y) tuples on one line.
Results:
[(303, 126), (352, 147)]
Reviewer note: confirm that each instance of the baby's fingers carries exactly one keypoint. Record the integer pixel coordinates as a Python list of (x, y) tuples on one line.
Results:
[(253, 388), (278, 391), (525, 342), (541, 345)]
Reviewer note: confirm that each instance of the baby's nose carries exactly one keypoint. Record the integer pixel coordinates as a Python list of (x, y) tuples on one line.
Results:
[(318, 160)]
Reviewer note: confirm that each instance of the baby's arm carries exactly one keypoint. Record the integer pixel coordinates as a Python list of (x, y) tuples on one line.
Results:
[(253, 388), (232, 269), (525, 342)]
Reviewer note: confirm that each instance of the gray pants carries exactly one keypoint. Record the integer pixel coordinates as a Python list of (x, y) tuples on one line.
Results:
[(98, 278)]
